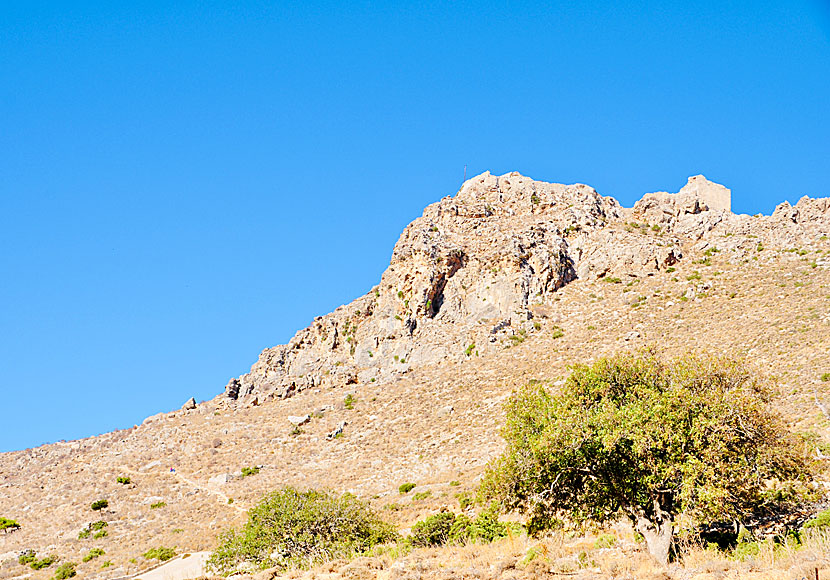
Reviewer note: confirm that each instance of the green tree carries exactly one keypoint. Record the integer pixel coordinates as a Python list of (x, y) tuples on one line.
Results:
[(648, 439), (294, 528), (8, 525)]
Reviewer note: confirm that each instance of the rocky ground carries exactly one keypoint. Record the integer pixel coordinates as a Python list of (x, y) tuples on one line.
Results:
[(555, 275)]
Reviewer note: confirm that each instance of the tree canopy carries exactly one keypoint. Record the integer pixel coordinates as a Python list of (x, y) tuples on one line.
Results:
[(648, 439), (7, 524)]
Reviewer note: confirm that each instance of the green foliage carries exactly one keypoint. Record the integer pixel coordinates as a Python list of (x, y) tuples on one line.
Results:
[(124, 480), (820, 522), (432, 531), (290, 528), (161, 554), (448, 528), (694, 276), (825, 377), (422, 495), (557, 332), (246, 471), (27, 557), (605, 541), (92, 554), (36, 564), (671, 269), (99, 505), (455, 483), (465, 500), (7, 524), (469, 350), (612, 280), (405, 488), (64, 571), (106, 564), (637, 436), (158, 505), (349, 401)]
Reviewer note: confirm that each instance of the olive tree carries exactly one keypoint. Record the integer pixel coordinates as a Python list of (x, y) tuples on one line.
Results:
[(648, 439)]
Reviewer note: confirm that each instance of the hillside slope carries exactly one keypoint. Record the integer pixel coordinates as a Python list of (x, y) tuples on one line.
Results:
[(509, 280)]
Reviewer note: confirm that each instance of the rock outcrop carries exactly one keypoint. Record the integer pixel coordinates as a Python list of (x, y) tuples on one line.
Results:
[(481, 264)]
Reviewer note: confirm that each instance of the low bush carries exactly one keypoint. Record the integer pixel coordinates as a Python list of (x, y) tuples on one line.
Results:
[(93, 553), (448, 528), (99, 505), (7, 524), (161, 554), (158, 505), (247, 471), (42, 563), (820, 522), (64, 571), (290, 528), (97, 527), (124, 480), (27, 557), (405, 488)]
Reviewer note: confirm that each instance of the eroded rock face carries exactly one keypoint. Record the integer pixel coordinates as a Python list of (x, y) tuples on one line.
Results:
[(489, 259)]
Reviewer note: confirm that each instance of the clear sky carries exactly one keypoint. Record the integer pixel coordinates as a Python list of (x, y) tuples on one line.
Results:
[(184, 184)]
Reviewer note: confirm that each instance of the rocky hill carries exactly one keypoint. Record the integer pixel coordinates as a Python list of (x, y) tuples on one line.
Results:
[(508, 280)]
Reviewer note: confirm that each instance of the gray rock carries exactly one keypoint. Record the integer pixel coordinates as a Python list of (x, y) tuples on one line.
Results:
[(298, 420), (190, 404)]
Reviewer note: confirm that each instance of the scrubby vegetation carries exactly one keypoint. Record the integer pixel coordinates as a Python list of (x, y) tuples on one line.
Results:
[(64, 571), (93, 553), (290, 528), (651, 440), (99, 505), (36, 564), (405, 488), (7, 524), (124, 480), (248, 471), (161, 554), (96, 527), (448, 528)]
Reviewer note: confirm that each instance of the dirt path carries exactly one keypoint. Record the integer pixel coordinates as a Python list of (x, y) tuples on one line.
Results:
[(181, 568)]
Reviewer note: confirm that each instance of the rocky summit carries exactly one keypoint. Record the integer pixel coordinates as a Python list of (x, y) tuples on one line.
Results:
[(488, 261), (508, 281)]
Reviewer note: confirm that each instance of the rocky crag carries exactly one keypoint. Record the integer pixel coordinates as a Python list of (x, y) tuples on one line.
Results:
[(486, 264)]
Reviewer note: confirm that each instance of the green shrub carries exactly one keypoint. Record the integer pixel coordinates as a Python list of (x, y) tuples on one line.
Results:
[(7, 524), (158, 505), (64, 571), (605, 541), (447, 528), (422, 495), (106, 564), (465, 499), (612, 280), (405, 488), (455, 483), (825, 377), (432, 531), (161, 554), (820, 522), (43, 563), (93, 553), (27, 557), (124, 480), (349, 401), (93, 527), (99, 505), (470, 348), (290, 528), (247, 471)]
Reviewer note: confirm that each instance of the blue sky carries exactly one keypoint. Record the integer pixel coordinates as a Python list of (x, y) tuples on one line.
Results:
[(181, 187)]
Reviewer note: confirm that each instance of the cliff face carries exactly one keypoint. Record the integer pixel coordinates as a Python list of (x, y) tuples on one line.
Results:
[(480, 266)]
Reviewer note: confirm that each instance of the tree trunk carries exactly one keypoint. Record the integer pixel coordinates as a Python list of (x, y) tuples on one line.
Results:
[(657, 531)]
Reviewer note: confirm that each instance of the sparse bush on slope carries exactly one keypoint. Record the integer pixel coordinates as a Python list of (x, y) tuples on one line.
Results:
[(290, 528), (636, 436)]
